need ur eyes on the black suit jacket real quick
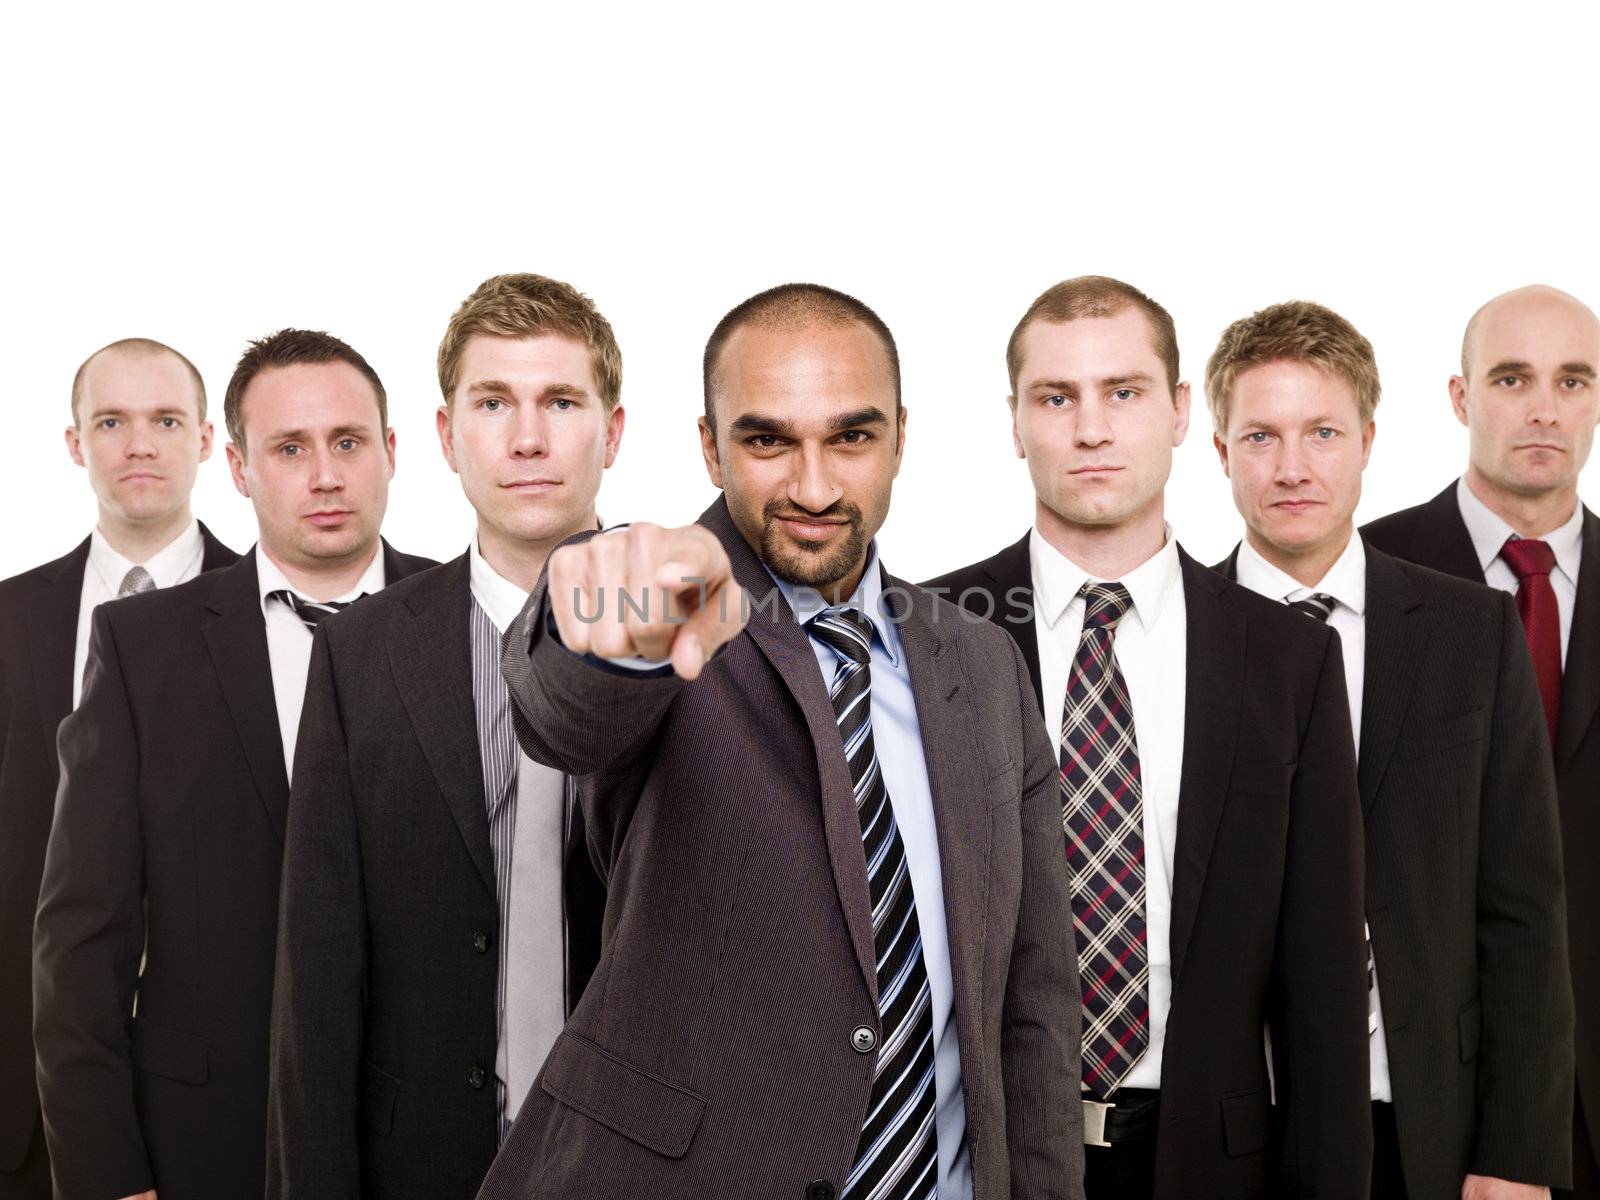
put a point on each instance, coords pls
(1464, 895)
(166, 843)
(1434, 535)
(38, 645)
(1266, 896)
(385, 1006)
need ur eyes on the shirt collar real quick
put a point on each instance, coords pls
(807, 602)
(1490, 531)
(500, 599)
(1345, 581)
(1057, 580)
(270, 578)
(167, 565)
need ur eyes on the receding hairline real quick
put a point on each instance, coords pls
(1540, 290)
(136, 347)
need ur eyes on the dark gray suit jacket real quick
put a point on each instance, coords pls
(711, 1055)
(1464, 896)
(384, 1015)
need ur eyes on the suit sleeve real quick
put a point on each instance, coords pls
(1525, 1061)
(313, 1097)
(1319, 995)
(88, 937)
(1041, 1025)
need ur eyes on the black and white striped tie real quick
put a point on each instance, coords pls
(1318, 605)
(310, 611)
(897, 1157)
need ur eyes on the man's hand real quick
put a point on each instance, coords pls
(1482, 1187)
(648, 592)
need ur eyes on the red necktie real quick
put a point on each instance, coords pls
(1533, 560)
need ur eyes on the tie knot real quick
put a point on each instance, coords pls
(310, 612)
(136, 580)
(1104, 604)
(1528, 557)
(845, 631)
(1318, 605)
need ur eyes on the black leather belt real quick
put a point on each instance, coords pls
(1130, 1115)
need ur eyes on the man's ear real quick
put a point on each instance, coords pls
(236, 470)
(75, 445)
(1222, 454)
(708, 451)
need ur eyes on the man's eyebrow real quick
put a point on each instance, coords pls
(1065, 386)
(756, 423)
(1509, 368)
(1578, 368)
(858, 418)
(1116, 381)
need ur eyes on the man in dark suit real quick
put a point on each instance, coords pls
(1470, 1001)
(153, 945)
(1530, 399)
(139, 429)
(1217, 865)
(439, 912)
(833, 962)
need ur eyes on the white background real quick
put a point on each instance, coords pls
(203, 174)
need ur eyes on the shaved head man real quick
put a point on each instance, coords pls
(1529, 397)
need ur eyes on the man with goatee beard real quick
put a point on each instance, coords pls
(834, 962)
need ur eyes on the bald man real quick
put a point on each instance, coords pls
(139, 430)
(1529, 396)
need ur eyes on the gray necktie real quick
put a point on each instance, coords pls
(136, 580)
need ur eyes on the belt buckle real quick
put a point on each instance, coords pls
(1094, 1122)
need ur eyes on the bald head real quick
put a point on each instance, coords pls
(180, 374)
(1526, 309)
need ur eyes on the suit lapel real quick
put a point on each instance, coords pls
(431, 657)
(1441, 540)
(1580, 678)
(236, 636)
(960, 809)
(1395, 644)
(1012, 571)
(54, 646)
(214, 554)
(778, 636)
(1214, 661)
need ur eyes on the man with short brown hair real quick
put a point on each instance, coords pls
(139, 429)
(1470, 1005)
(153, 944)
(1529, 395)
(406, 1037)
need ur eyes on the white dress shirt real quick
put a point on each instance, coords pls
(176, 562)
(289, 643)
(1346, 582)
(528, 868)
(1489, 531)
(1151, 643)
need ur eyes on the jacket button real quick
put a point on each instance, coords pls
(819, 1189)
(475, 1080)
(480, 942)
(864, 1040)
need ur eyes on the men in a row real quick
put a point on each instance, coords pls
(1470, 1026)
(1207, 790)
(1529, 395)
(139, 429)
(439, 913)
(156, 928)
(835, 961)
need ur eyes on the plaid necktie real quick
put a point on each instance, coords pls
(310, 611)
(135, 581)
(1320, 606)
(1102, 810)
(897, 1157)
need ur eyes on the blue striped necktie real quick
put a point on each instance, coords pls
(897, 1157)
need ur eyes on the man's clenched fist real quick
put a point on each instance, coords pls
(647, 592)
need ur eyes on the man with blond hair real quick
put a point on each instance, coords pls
(139, 429)
(1469, 1001)
(440, 916)
(1529, 395)
(1207, 789)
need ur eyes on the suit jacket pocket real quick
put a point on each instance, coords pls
(652, 1112)
(1443, 735)
(1246, 1121)
(378, 1092)
(1260, 779)
(1470, 1023)
(170, 1053)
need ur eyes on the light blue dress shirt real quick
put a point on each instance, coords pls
(897, 736)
